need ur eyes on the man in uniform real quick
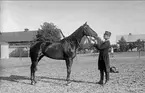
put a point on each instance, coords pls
(103, 60)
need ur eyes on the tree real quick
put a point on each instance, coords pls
(139, 44)
(131, 46)
(115, 47)
(123, 44)
(48, 32)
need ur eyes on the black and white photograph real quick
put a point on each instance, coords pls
(72, 46)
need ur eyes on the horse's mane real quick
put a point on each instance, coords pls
(73, 35)
(73, 38)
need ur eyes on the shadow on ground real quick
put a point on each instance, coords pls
(16, 78)
(72, 80)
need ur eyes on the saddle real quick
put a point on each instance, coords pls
(113, 70)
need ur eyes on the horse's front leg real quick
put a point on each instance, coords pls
(68, 65)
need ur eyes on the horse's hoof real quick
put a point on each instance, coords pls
(33, 83)
(100, 82)
(68, 83)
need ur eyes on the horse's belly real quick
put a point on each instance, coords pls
(54, 52)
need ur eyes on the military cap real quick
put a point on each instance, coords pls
(107, 33)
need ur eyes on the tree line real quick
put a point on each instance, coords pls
(126, 46)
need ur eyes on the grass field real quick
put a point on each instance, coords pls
(51, 74)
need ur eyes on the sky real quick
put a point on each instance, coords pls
(118, 17)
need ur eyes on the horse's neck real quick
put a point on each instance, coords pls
(76, 36)
(72, 40)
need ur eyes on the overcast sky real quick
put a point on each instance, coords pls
(119, 17)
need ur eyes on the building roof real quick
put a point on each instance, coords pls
(131, 38)
(17, 36)
(3, 43)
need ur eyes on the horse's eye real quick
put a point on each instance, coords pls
(85, 26)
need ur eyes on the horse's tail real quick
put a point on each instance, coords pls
(34, 49)
(35, 55)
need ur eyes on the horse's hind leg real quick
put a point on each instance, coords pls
(33, 70)
(32, 73)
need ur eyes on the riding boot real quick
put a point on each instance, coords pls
(107, 76)
(101, 77)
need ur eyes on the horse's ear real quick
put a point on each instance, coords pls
(85, 23)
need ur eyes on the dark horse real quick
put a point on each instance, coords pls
(64, 49)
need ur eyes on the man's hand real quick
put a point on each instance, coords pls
(93, 40)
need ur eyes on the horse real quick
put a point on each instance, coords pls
(64, 49)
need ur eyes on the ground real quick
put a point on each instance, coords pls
(51, 74)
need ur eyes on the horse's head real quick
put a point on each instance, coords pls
(88, 31)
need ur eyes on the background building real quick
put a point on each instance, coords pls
(9, 41)
(131, 38)
(138, 40)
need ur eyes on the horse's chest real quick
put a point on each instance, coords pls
(70, 50)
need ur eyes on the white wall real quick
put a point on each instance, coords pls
(4, 50)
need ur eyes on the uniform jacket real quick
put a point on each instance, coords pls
(103, 60)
